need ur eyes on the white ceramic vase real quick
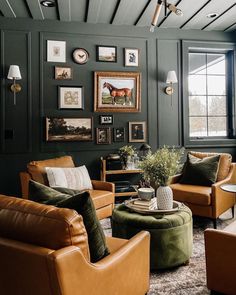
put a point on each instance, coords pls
(164, 197)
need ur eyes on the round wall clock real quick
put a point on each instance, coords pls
(80, 55)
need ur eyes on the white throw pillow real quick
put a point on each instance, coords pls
(74, 178)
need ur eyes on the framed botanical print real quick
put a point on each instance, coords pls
(56, 51)
(71, 97)
(131, 57)
(103, 135)
(137, 131)
(117, 92)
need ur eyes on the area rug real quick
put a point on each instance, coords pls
(189, 279)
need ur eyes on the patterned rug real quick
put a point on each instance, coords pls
(189, 279)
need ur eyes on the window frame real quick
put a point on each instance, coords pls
(210, 47)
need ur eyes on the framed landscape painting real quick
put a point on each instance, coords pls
(69, 129)
(63, 73)
(106, 53)
(117, 92)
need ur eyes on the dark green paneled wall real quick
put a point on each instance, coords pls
(23, 42)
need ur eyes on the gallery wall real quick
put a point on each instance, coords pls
(22, 129)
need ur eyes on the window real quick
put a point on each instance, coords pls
(208, 94)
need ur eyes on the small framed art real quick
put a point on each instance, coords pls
(69, 129)
(137, 132)
(63, 73)
(119, 134)
(56, 51)
(106, 53)
(131, 57)
(103, 135)
(70, 97)
(106, 120)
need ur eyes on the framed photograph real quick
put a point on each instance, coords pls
(106, 120)
(56, 51)
(117, 92)
(106, 53)
(119, 134)
(69, 129)
(131, 57)
(137, 131)
(63, 73)
(70, 97)
(103, 135)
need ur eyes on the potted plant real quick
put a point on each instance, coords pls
(158, 168)
(126, 152)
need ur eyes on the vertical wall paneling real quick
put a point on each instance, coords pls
(2, 83)
(169, 115)
(17, 50)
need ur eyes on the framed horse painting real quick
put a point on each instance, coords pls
(117, 92)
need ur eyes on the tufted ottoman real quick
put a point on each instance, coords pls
(171, 235)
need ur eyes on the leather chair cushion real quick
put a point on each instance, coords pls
(224, 163)
(195, 194)
(37, 168)
(20, 219)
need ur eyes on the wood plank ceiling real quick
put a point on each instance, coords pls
(128, 12)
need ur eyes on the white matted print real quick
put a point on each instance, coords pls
(71, 97)
(56, 51)
(131, 57)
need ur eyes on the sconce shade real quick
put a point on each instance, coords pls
(14, 73)
(171, 77)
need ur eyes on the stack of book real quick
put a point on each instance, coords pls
(144, 204)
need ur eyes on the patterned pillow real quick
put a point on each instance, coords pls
(74, 178)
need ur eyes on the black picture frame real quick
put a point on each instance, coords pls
(102, 50)
(103, 135)
(119, 134)
(106, 119)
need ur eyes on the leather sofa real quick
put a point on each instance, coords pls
(103, 193)
(220, 248)
(44, 251)
(207, 201)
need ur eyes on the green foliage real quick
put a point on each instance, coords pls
(161, 165)
(127, 150)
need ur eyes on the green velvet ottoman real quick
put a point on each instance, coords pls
(171, 235)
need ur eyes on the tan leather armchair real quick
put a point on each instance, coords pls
(206, 201)
(44, 251)
(103, 193)
(220, 248)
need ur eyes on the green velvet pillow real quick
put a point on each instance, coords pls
(200, 171)
(83, 204)
(44, 194)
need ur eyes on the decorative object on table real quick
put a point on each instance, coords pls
(137, 131)
(69, 129)
(56, 51)
(146, 193)
(117, 92)
(119, 134)
(106, 53)
(126, 152)
(144, 150)
(14, 74)
(158, 168)
(106, 119)
(70, 97)
(63, 73)
(103, 135)
(80, 56)
(131, 57)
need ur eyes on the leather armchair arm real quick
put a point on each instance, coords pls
(24, 179)
(220, 263)
(103, 185)
(124, 272)
(175, 178)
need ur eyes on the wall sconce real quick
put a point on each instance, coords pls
(171, 79)
(14, 74)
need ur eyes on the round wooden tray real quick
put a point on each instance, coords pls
(130, 204)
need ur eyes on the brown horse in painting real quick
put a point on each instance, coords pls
(116, 92)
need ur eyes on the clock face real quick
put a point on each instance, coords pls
(80, 55)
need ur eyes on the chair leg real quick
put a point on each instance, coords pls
(214, 223)
(232, 209)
